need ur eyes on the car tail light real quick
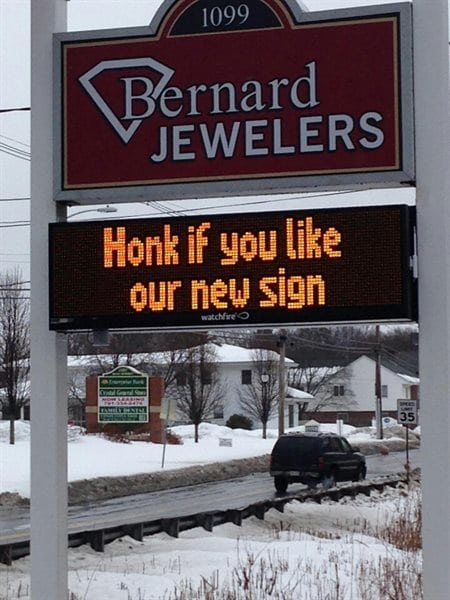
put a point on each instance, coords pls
(321, 463)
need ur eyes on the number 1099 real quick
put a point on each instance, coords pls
(225, 16)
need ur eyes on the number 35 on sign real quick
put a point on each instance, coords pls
(407, 412)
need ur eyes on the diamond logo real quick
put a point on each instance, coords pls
(152, 91)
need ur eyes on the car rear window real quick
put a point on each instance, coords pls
(303, 445)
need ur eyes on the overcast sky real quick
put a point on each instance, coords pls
(15, 93)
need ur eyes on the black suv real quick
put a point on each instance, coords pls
(313, 458)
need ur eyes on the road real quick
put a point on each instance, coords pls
(222, 495)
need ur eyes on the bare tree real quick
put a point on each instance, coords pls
(329, 386)
(260, 398)
(14, 346)
(136, 343)
(76, 390)
(311, 379)
(199, 390)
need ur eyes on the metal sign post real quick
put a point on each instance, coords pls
(431, 60)
(48, 350)
(406, 416)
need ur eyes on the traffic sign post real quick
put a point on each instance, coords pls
(407, 412)
(407, 415)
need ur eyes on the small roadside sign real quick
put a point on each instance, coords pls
(123, 396)
(407, 412)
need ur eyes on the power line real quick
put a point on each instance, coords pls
(182, 212)
(14, 148)
(9, 224)
(14, 140)
(27, 198)
(14, 284)
(16, 109)
(14, 151)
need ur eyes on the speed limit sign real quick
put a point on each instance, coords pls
(407, 412)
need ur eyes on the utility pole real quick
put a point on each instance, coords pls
(281, 381)
(378, 401)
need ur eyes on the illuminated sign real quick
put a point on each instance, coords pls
(334, 265)
(239, 97)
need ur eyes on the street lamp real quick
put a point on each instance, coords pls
(264, 382)
(265, 404)
(102, 209)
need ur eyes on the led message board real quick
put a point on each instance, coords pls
(238, 97)
(316, 266)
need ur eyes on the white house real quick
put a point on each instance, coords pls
(351, 396)
(237, 369)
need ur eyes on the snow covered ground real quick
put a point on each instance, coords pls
(92, 456)
(309, 552)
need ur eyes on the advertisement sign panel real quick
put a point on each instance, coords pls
(238, 97)
(123, 396)
(330, 265)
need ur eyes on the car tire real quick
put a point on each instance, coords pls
(281, 484)
(329, 480)
(360, 474)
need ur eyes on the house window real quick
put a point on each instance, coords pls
(218, 412)
(384, 391)
(338, 390)
(301, 407)
(246, 377)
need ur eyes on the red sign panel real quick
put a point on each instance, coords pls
(235, 97)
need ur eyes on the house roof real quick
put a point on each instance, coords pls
(226, 354)
(409, 379)
(298, 394)
(391, 366)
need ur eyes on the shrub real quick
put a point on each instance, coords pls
(173, 438)
(239, 422)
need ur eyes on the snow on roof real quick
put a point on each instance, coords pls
(226, 353)
(300, 394)
(409, 379)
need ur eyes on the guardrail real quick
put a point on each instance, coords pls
(18, 546)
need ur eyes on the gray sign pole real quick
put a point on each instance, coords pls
(48, 350)
(431, 56)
